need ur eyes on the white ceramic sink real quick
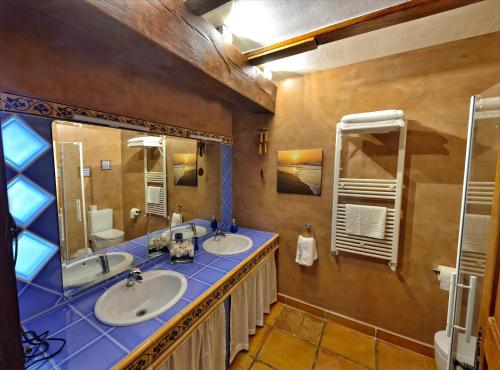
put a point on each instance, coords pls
(186, 231)
(89, 270)
(229, 244)
(122, 306)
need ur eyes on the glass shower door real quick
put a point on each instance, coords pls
(479, 180)
(71, 199)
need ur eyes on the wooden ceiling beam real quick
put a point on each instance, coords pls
(400, 13)
(200, 7)
(164, 38)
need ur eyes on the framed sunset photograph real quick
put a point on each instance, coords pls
(299, 171)
(185, 169)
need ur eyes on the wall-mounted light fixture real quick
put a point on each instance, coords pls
(109, 123)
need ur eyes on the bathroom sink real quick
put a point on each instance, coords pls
(227, 245)
(187, 231)
(122, 306)
(89, 269)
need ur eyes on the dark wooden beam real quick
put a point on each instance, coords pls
(200, 7)
(164, 38)
(405, 12)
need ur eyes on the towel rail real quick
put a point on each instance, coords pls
(387, 190)
(156, 178)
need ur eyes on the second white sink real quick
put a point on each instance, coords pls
(227, 245)
(89, 270)
(122, 306)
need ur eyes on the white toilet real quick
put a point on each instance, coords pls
(442, 347)
(101, 230)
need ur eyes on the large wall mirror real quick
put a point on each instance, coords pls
(120, 192)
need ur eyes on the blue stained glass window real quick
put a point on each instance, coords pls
(32, 255)
(21, 144)
(26, 200)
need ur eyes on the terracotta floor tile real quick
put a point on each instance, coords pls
(349, 343)
(258, 339)
(391, 357)
(270, 318)
(330, 361)
(241, 362)
(302, 324)
(260, 366)
(284, 351)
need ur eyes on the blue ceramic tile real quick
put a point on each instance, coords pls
(101, 354)
(50, 276)
(9, 173)
(47, 225)
(86, 305)
(143, 240)
(77, 336)
(42, 172)
(27, 200)
(224, 264)
(205, 257)
(209, 275)
(133, 335)
(54, 321)
(34, 300)
(240, 256)
(42, 365)
(188, 269)
(21, 144)
(174, 310)
(195, 289)
(99, 325)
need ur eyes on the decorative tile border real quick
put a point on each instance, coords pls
(163, 343)
(24, 104)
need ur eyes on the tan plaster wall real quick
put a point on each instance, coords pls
(433, 86)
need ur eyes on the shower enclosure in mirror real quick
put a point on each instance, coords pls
(123, 194)
(479, 182)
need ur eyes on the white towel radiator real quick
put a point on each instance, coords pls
(156, 179)
(368, 189)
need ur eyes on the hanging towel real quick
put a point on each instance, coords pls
(381, 115)
(176, 219)
(306, 251)
(153, 195)
(365, 220)
(476, 231)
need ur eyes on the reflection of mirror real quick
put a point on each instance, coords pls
(151, 179)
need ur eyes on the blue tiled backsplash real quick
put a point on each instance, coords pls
(29, 171)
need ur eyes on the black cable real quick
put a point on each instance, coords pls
(35, 345)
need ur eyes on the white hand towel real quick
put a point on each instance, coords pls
(306, 251)
(476, 232)
(365, 220)
(176, 219)
(153, 195)
(381, 115)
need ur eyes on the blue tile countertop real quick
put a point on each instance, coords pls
(93, 345)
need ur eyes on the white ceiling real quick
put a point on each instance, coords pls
(256, 23)
(274, 20)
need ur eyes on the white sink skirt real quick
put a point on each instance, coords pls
(249, 303)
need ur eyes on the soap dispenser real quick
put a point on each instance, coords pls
(213, 223)
(234, 227)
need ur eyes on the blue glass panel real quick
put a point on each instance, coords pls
(21, 145)
(32, 255)
(26, 200)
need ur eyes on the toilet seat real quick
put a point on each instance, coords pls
(109, 234)
(465, 351)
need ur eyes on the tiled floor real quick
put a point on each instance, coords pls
(294, 340)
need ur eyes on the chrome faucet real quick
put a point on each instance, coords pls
(103, 258)
(134, 276)
(218, 232)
